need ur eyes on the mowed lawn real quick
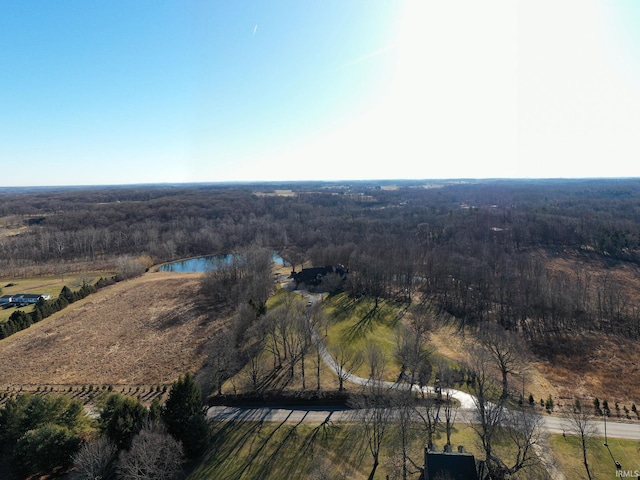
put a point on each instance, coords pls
(356, 323)
(50, 284)
(287, 450)
(568, 453)
(352, 323)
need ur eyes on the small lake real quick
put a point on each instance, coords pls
(208, 262)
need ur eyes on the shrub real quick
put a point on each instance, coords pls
(549, 404)
(122, 418)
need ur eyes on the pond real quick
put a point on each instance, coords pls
(205, 263)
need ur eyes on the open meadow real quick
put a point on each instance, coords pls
(144, 331)
(46, 284)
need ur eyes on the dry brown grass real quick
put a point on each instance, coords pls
(148, 330)
(596, 365)
(450, 343)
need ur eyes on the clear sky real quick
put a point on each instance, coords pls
(135, 91)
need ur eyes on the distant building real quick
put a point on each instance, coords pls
(30, 297)
(315, 275)
(23, 299)
(6, 299)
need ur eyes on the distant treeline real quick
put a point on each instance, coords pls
(168, 223)
(478, 250)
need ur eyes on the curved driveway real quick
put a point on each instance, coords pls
(466, 412)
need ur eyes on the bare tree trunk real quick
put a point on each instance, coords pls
(374, 468)
(319, 361)
(581, 424)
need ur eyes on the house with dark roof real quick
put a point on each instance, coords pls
(454, 465)
(315, 275)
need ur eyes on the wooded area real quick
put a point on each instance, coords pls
(515, 262)
(477, 250)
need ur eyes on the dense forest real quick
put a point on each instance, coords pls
(535, 262)
(477, 250)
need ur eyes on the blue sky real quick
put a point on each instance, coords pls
(205, 91)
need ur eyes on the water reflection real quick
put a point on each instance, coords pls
(209, 262)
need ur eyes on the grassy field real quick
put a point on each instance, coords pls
(356, 322)
(351, 322)
(568, 453)
(144, 331)
(45, 285)
(272, 450)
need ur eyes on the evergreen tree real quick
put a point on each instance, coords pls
(61, 303)
(36, 315)
(122, 418)
(41, 450)
(155, 411)
(184, 416)
(67, 294)
(40, 433)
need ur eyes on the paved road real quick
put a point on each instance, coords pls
(285, 414)
(466, 412)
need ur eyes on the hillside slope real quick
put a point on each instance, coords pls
(148, 330)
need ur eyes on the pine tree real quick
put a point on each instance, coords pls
(122, 418)
(184, 416)
(67, 294)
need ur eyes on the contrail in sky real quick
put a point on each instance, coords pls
(371, 55)
(254, 29)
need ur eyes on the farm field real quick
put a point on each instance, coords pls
(49, 284)
(145, 331)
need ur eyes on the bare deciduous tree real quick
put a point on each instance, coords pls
(154, 455)
(346, 361)
(521, 429)
(449, 407)
(412, 353)
(374, 413)
(223, 359)
(95, 460)
(506, 349)
(404, 404)
(428, 410)
(374, 360)
(581, 424)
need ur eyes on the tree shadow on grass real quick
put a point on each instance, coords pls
(226, 458)
(247, 446)
(345, 306)
(362, 326)
(291, 436)
(229, 440)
